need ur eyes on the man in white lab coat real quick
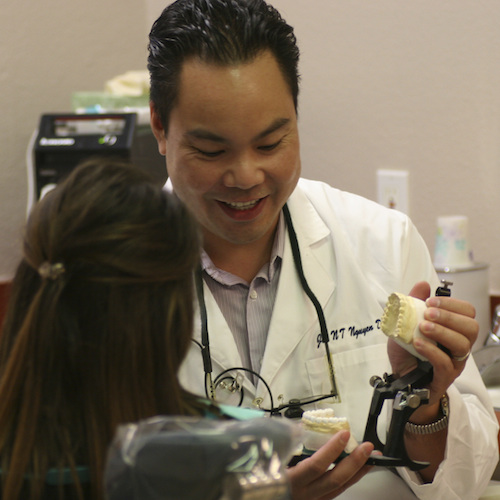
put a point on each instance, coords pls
(224, 87)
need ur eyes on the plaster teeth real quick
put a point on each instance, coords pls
(320, 425)
(401, 317)
(400, 320)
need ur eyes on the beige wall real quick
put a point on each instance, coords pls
(48, 50)
(406, 85)
(386, 84)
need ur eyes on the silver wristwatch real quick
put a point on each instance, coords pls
(436, 426)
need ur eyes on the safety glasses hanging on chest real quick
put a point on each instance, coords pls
(227, 387)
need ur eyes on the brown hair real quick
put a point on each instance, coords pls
(99, 342)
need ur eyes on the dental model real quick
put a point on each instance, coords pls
(320, 425)
(400, 320)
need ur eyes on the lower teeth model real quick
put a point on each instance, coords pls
(320, 425)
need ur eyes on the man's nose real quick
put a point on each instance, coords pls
(245, 173)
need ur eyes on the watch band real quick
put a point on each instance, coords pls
(433, 427)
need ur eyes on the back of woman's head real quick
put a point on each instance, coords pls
(100, 316)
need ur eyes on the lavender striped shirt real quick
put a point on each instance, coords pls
(246, 307)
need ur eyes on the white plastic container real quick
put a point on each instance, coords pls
(472, 284)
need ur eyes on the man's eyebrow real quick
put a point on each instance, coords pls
(276, 125)
(201, 133)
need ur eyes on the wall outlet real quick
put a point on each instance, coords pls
(392, 189)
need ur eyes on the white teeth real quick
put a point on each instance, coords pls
(242, 205)
(400, 320)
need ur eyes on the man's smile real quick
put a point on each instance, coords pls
(242, 205)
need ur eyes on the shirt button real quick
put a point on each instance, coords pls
(253, 294)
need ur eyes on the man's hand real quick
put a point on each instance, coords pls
(311, 479)
(449, 322)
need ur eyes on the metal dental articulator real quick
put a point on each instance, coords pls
(408, 393)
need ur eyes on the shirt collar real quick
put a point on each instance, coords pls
(276, 256)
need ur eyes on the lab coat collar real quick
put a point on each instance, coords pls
(286, 329)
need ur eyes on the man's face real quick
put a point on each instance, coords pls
(232, 148)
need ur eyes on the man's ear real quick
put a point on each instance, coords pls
(158, 130)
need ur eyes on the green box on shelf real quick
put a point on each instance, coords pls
(106, 101)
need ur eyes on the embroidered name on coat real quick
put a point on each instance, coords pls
(350, 331)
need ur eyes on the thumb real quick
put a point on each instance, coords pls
(422, 290)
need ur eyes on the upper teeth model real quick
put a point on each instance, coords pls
(400, 320)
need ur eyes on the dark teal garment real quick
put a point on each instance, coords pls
(56, 492)
(60, 486)
(55, 477)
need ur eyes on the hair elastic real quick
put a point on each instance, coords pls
(51, 271)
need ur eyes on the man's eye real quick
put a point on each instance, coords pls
(270, 147)
(209, 154)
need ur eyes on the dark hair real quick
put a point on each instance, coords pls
(99, 321)
(222, 32)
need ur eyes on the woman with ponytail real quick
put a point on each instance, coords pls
(98, 323)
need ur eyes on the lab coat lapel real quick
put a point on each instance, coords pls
(294, 314)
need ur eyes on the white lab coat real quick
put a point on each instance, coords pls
(354, 254)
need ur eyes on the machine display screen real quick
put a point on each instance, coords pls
(73, 126)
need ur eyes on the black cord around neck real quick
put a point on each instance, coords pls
(205, 341)
(305, 286)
